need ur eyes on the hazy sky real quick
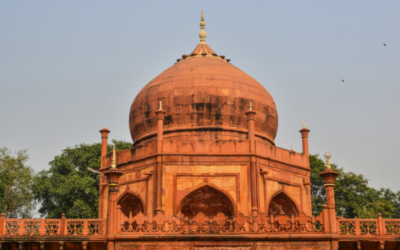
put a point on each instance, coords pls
(69, 68)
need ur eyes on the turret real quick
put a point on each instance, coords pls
(304, 138)
(102, 185)
(329, 176)
(113, 175)
(160, 132)
(253, 172)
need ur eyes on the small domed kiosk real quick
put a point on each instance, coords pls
(203, 152)
(203, 141)
(204, 174)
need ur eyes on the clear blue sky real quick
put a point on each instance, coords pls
(68, 68)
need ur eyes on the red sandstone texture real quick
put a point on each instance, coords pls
(204, 174)
(203, 91)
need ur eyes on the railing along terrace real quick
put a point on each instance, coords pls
(368, 227)
(220, 224)
(52, 227)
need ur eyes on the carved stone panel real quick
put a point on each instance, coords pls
(306, 245)
(130, 248)
(233, 247)
(152, 246)
(294, 246)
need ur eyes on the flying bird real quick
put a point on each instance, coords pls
(342, 80)
(384, 44)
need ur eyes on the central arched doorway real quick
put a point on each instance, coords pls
(208, 200)
(282, 204)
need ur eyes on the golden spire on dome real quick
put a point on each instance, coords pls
(251, 105)
(328, 159)
(160, 105)
(113, 165)
(202, 33)
(304, 125)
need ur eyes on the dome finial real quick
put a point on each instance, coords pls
(113, 165)
(304, 125)
(328, 159)
(202, 34)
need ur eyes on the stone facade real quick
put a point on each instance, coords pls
(204, 173)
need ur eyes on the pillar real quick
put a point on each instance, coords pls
(158, 176)
(1, 224)
(102, 185)
(113, 175)
(252, 150)
(104, 136)
(307, 185)
(62, 225)
(381, 226)
(329, 176)
(304, 138)
(118, 219)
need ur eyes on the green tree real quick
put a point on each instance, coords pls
(16, 180)
(317, 187)
(353, 197)
(68, 187)
(395, 198)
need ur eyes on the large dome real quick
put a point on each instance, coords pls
(203, 91)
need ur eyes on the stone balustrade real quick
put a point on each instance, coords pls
(52, 227)
(199, 224)
(368, 227)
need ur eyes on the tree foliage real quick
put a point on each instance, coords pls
(16, 179)
(353, 197)
(68, 187)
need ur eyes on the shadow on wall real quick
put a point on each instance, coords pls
(207, 200)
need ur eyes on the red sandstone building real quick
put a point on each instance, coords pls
(204, 173)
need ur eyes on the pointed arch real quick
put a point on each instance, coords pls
(131, 202)
(208, 199)
(282, 202)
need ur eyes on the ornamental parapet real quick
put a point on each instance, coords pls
(52, 227)
(263, 223)
(179, 225)
(364, 229)
(133, 156)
